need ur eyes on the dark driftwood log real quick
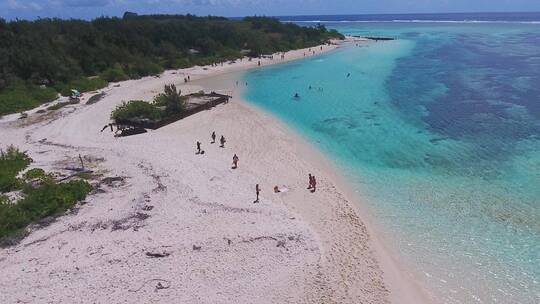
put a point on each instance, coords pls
(157, 255)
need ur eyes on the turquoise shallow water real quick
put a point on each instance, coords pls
(440, 133)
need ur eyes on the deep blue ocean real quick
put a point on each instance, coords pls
(439, 132)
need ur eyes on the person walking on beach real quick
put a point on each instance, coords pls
(222, 141)
(235, 161)
(213, 137)
(313, 184)
(310, 181)
(257, 191)
(198, 147)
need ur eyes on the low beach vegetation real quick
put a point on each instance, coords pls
(166, 104)
(20, 97)
(136, 110)
(12, 161)
(40, 194)
(44, 57)
(59, 105)
(84, 84)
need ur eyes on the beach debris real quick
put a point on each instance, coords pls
(157, 254)
(129, 131)
(82, 163)
(113, 181)
(160, 285)
(147, 208)
(159, 185)
(132, 221)
(195, 247)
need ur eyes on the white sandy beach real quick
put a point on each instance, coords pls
(292, 247)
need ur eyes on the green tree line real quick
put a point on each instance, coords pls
(41, 58)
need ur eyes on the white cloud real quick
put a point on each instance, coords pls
(26, 5)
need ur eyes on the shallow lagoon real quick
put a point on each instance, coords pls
(440, 133)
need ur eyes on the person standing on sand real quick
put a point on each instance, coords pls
(222, 141)
(213, 137)
(198, 147)
(314, 184)
(310, 181)
(257, 191)
(235, 161)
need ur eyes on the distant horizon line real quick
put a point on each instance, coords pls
(379, 14)
(283, 16)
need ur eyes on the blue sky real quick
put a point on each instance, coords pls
(31, 9)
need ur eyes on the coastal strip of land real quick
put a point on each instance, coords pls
(168, 225)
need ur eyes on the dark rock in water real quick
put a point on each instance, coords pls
(376, 38)
(436, 140)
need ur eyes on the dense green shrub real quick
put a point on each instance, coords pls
(142, 68)
(114, 74)
(136, 109)
(12, 161)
